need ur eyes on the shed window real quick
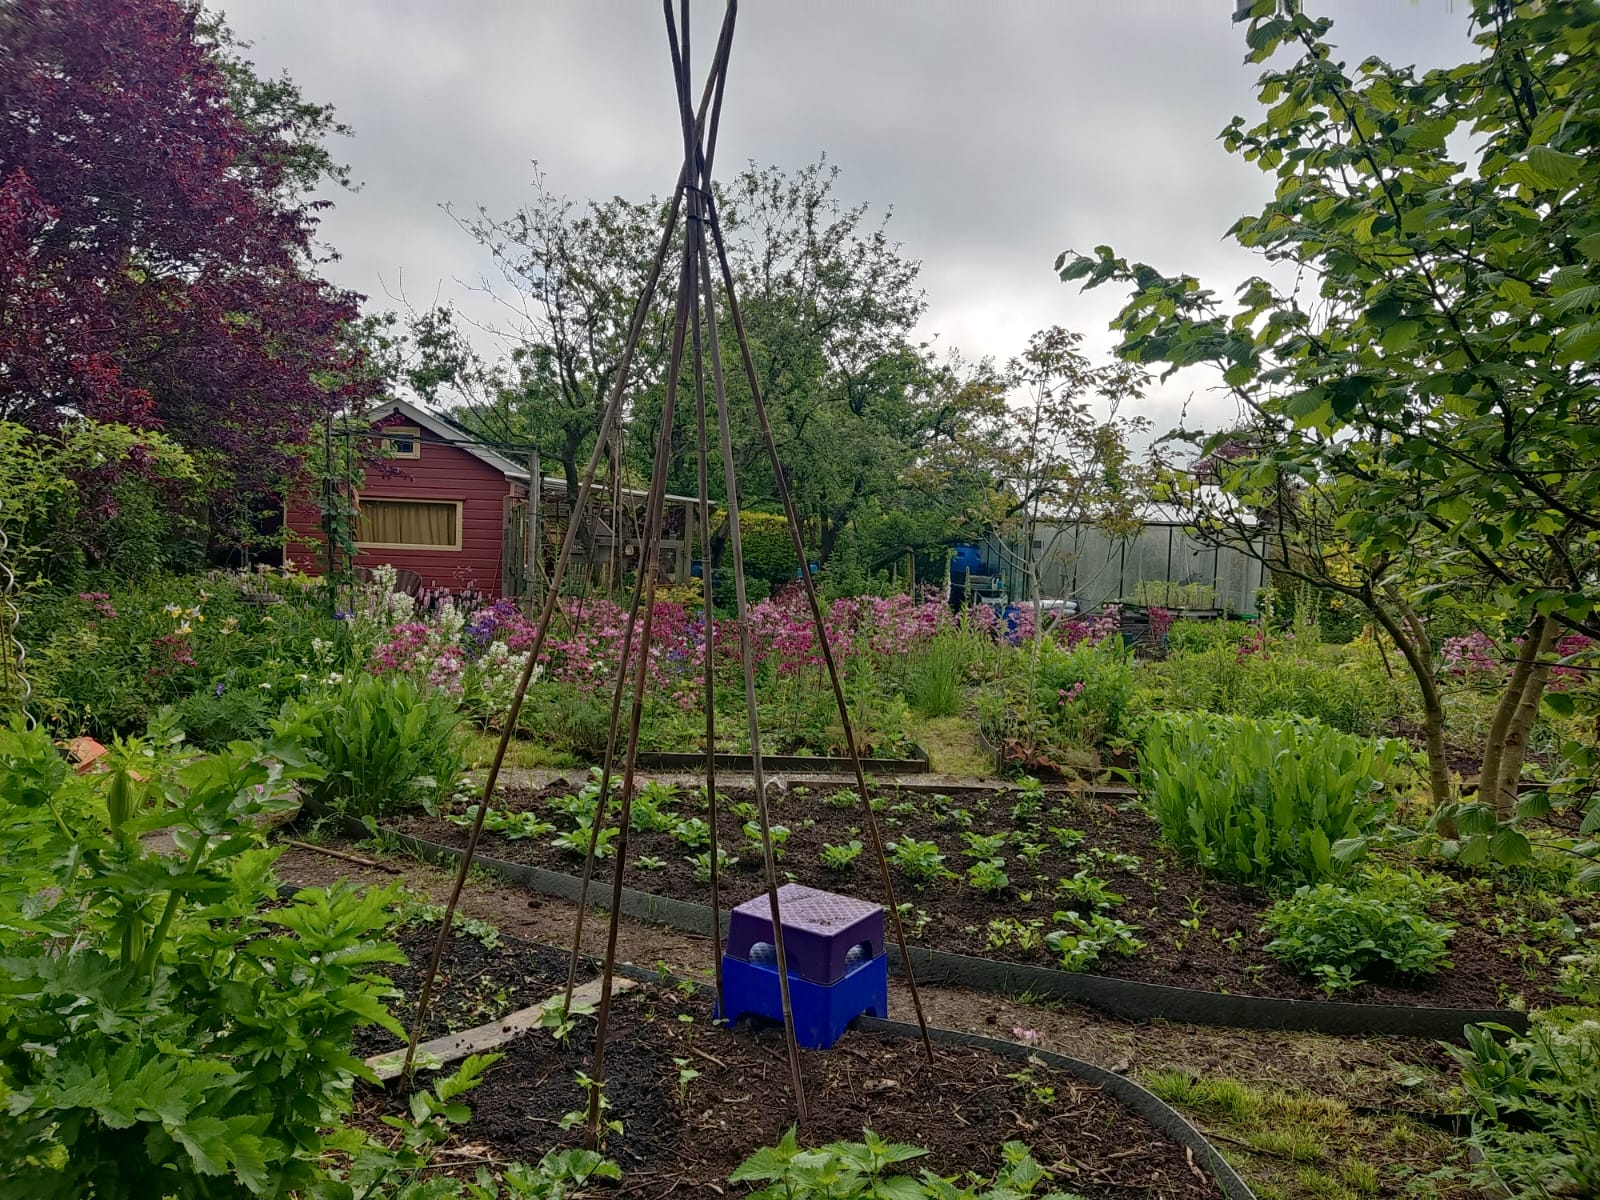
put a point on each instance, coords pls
(403, 441)
(410, 524)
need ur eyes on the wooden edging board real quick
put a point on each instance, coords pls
(817, 764)
(1126, 998)
(480, 1039)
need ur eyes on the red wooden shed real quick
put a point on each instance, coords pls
(454, 509)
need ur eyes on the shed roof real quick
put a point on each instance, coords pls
(446, 430)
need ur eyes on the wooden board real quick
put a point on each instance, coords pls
(483, 1038)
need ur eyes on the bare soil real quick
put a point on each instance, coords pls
(682, 1135)
(480, 980)
(1198, 932)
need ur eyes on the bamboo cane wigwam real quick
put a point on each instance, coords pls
(695, 328)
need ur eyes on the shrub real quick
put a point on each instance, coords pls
(1342, 686)
(1087, 690)
(212, 718)
(382, 743)
(104, 662)
(1337, 935)
(1262, 800)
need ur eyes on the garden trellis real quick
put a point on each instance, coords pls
(695, 329)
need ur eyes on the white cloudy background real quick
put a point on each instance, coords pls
(1000, 132)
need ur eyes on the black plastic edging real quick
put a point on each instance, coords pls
(1125, 998)
(1151, 1107)
(917, 764)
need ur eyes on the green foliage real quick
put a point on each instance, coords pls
(1401, 415)
(934, 689)
(1086, 691)
(988, 876)
(768, 547)
(1342, 686)
(94, 500)
(1266, 800)
(219, 647)
(383, 745)
(651, 810)
(984, 845)
(163, 1030)
(1012, 932)
(692, 832)
(576, 721)
(513, 826)
(1085, 938)
(1538, 1101)
(859, 1171)
(1087, 891)
(702, 863)
(575, 841)
(1161, 593)
(1342, 935)
(210, 721)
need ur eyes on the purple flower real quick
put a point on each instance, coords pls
(219, 689)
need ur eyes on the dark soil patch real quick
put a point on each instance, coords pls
(476, 983)
(1198, 932)
(684, 1139)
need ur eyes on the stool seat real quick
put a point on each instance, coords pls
(822, 1012)
(820, 931)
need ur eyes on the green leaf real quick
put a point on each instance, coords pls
(1510, 846)
(1560, 703)
(1556, 168)
(1399, 335)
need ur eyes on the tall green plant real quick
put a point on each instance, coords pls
(1269, 800)
(163, 1033)
(382, 742)
(934, 688)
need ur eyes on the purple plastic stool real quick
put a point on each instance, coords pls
(824, 934)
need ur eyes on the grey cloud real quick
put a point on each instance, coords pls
(1000, 133)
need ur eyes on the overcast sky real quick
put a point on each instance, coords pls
(1000, 132)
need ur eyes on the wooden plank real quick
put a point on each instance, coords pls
(442, 1051)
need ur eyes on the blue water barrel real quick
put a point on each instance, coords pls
(968, 560)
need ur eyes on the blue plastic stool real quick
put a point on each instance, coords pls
(821, 1011)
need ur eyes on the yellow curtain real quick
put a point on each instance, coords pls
(407, 523)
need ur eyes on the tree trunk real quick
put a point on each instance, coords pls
(1419, 657)
(1489, 774)
(830, 539)
(1516, 743)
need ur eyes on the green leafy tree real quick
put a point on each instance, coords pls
(1430, 365)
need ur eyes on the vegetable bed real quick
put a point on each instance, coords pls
(694, 1101)
(482, 977)
(997, 874)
